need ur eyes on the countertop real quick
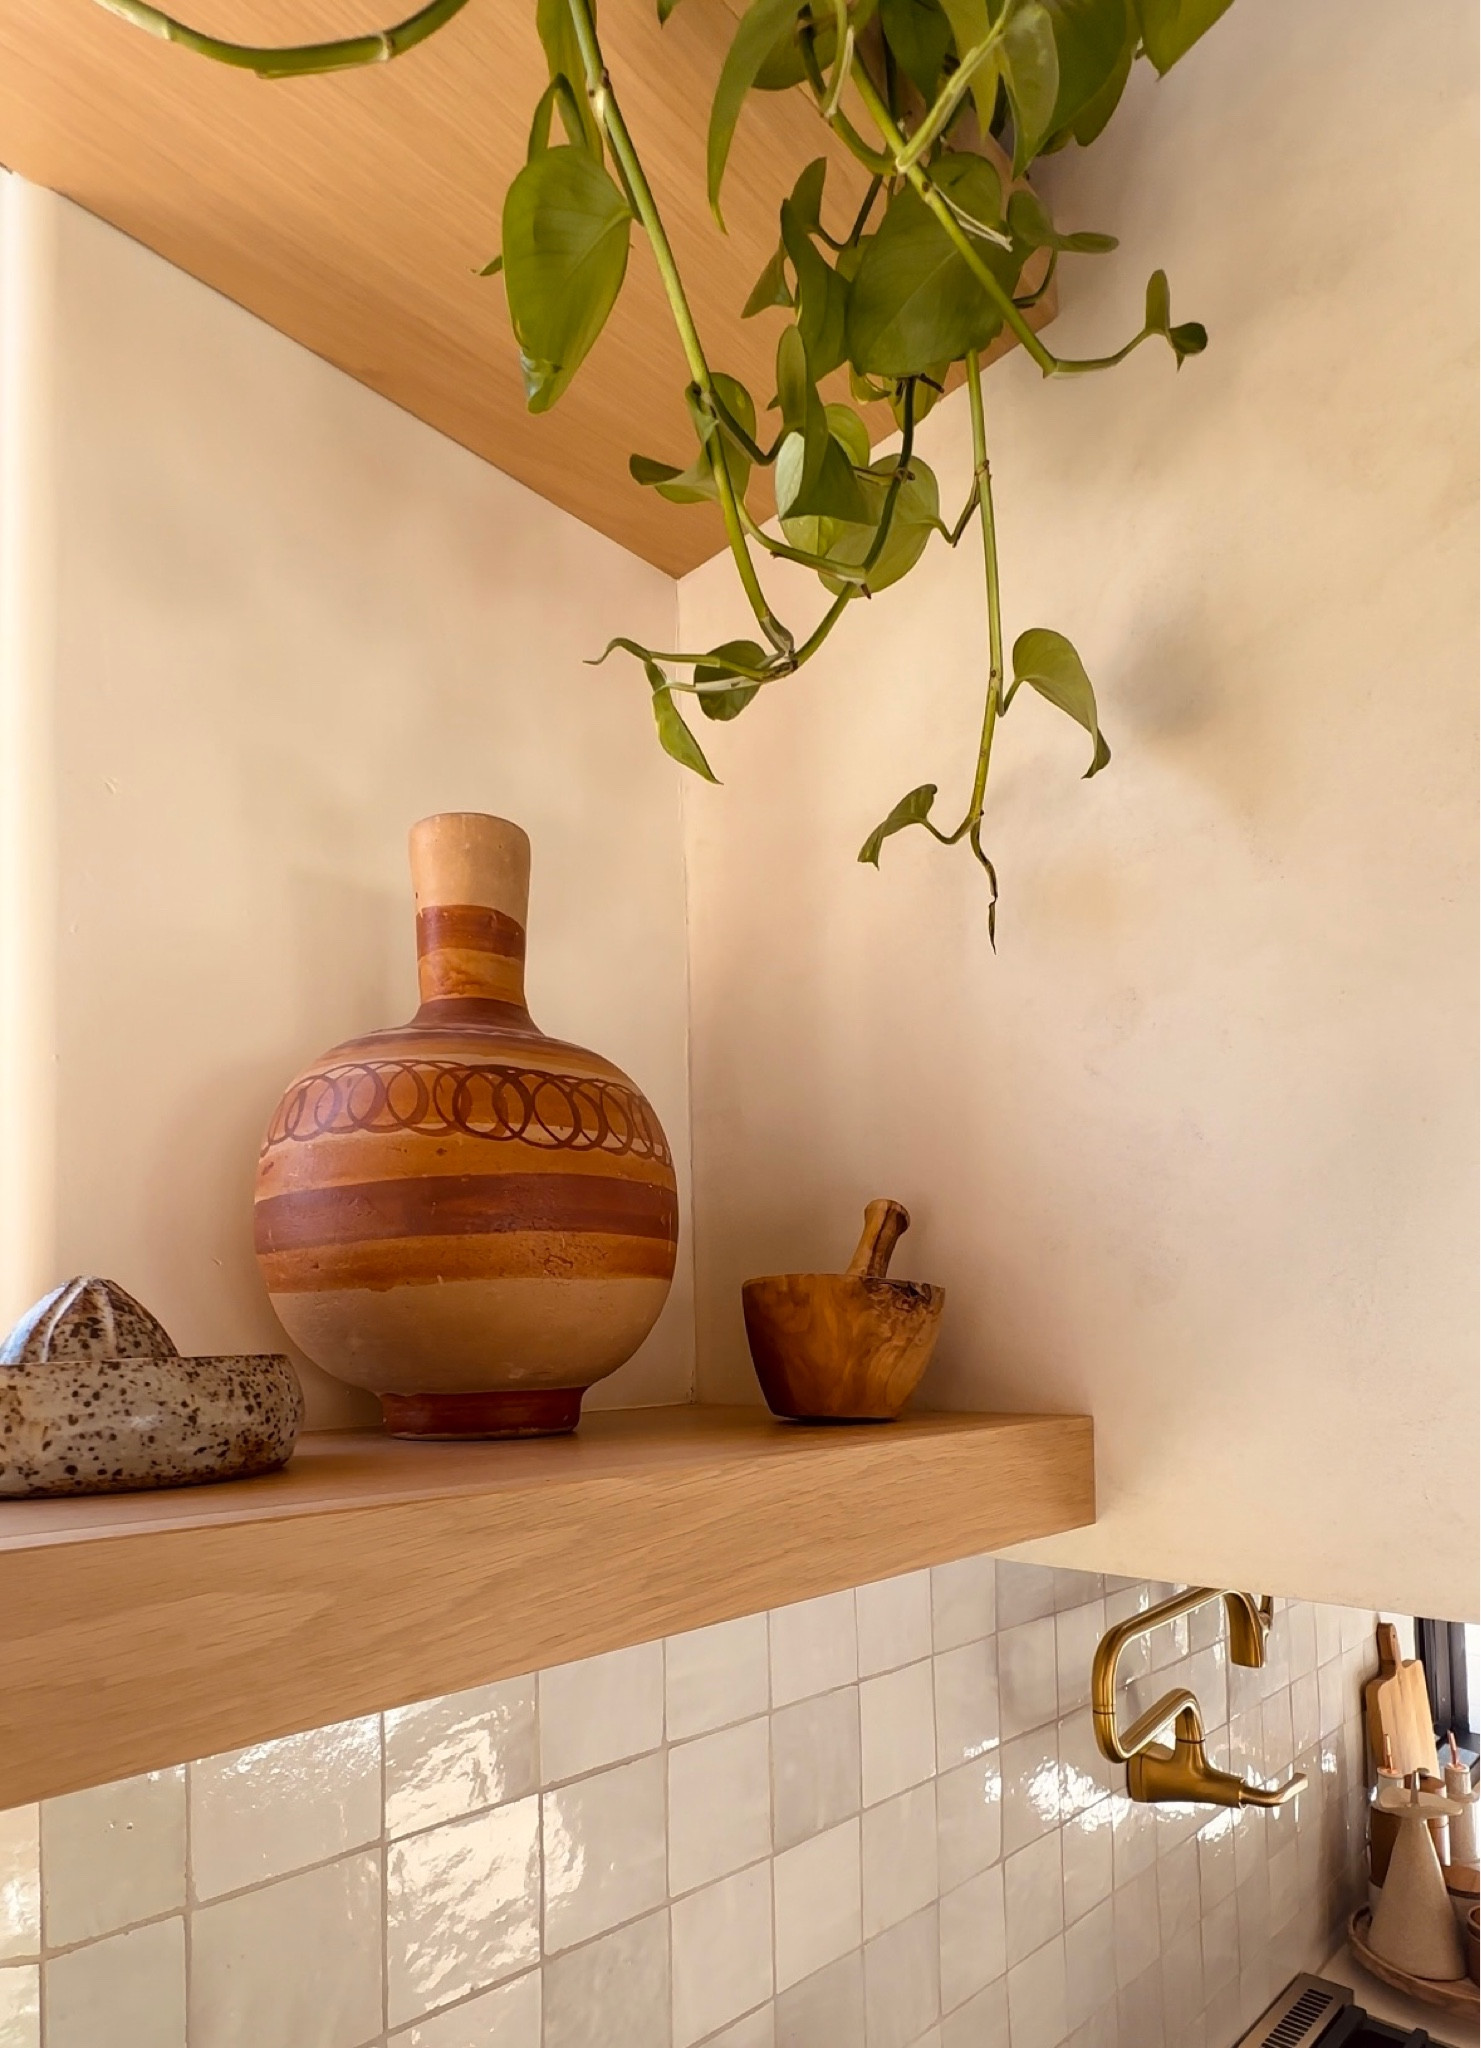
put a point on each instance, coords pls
(1393, 2006)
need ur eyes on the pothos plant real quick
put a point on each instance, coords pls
(933, 267)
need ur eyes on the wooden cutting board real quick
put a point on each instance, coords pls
(1397, 1707)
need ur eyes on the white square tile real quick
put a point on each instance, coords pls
(259, 1813)
(506, 2017)
(462, 1907)
(1077, 1634)
(1085, 1850)
(1033, 1897)
(722, 1953)
(1090, 1965)
(20, 2006)
(1216, 1873)
(296, 1964)
(1076, 1589)
(1138, 1933)
(113, 1855)
(1182, 1987)
(1032, 1787)
(814, 1647)
(1036, 1998)
(1306, 1719)
(897, 1731)
(981, 2023)
(1027, 1693)
(614, 1992)
(600, 1710)
(974, 1938)
(815, 1766)
(1220, 1930)
(902, 1981)
(456, 1755)
(967, 1723)
(817, 1903)
(1026, 1592)
(1139, 2010)
(963, 1602)
(719, 1804)
(606, 1851)
(1301, 1638)
(717, 1675)
(756, 2030)
(894, 1622)
(969, 1820)
(127, 1991)
(900, 1865)
(827, 2007)
(1133, 1838)
(1177, 1891)
(20, 1883)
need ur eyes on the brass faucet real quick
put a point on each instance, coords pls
(1183, 1774)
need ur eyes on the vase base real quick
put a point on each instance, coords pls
(517, 1412)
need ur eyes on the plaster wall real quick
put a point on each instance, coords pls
(1196, 1149)
(258, 621)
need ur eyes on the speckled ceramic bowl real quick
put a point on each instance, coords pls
(94, 1398)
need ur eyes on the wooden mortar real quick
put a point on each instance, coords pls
(844, 1347)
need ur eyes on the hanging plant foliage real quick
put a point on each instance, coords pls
(946, 104)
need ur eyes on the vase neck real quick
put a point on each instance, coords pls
(473, 957)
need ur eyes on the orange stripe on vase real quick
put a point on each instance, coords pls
(465, 1205)
(526, 1257)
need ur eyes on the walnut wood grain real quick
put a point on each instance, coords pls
(352, 212)
(140, 1630)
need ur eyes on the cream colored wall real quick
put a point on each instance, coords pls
(1196, 1150)
(283, 621)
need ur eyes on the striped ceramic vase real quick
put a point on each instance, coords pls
(472, 1219)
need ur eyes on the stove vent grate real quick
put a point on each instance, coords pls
(1300, 2016)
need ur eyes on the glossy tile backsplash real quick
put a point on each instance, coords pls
(875, 1820)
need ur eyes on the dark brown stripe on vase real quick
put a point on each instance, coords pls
(469, 928)
(465, 1205)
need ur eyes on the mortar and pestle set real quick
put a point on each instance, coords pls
(844, 1347)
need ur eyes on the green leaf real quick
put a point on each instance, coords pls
(970, 27)
(1031, 72)
(850, 432)
(1029, 219)
(914, 303)
(732, 701)
(1048, 663)
(1091, 39)
(919, 35)
(763, 22)
(691, 486)
(557, 32)
(1096, 112)
(913, 809)
(557, 95)
(1190, 339)
(822, 295)
(807, 195)
(1159, 303)
(917, 515)
(492, 268)
(666, 8)
(1170, 28)
(770, 288)
(565, 255)
(674, 735)
(793, 384)
(694, 485)
(815, 480)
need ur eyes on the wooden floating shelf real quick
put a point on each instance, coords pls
(139, 1630)
(353, 211)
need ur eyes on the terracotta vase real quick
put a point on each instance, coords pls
(472, 1219)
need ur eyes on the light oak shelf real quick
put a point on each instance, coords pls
(352, 212)
(140, 1630)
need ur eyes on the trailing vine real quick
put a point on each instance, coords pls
(946, 104)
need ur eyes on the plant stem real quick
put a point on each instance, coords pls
(300, 60)
(609, 115)
(983, 474)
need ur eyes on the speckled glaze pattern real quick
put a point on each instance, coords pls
(95, 1398)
